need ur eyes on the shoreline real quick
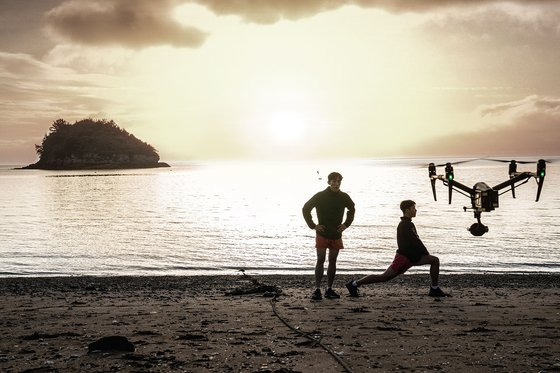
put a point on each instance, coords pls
(493, 323)
(299, 272)
(128, 282)
(94, 167)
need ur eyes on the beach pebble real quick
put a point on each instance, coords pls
(112, 343)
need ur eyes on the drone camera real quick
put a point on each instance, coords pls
(478, 229)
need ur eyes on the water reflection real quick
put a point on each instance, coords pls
(210, 217)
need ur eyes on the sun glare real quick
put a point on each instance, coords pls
(286, 127)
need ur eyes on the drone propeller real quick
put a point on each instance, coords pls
(521, 162)
(457, 162)
(451, 163)
(506, 161)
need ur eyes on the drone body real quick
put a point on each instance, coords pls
(483, 197)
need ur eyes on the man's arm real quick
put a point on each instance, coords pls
(351, 212)
(414, 241)
(409, 244)
(306, 210)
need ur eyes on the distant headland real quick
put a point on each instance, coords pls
(93, 144)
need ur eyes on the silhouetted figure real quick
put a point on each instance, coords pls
(411, 252)
(330, 205)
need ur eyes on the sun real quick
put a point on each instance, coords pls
(286, 127)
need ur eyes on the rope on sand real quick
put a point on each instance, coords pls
(310, 337)
(275, 292)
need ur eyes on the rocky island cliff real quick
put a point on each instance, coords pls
(93, 144)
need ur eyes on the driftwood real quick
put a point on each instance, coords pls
(255, 287)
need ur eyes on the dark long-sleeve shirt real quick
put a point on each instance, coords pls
(408, 241)
(330, 208)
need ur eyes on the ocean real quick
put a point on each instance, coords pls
(217, 217)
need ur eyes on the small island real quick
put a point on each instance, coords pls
(93, 144)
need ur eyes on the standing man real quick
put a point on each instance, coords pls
(330, 205)
(411, 252)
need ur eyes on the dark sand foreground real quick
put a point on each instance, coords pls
(493, 323)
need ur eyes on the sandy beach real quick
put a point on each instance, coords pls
(493, 323)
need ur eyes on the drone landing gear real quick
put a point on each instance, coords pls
(478, 229)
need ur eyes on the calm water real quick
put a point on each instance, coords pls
(217, 217)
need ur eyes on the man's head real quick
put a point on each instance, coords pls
(408, 208)
(334, 180)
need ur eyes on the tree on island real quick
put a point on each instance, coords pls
(93, 144)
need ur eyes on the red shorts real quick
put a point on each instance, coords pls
(401, 263)
(327, 243)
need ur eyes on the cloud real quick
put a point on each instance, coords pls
(143, 23)
(85, 59)
(266, 12)
(522, 127)
(130, 23)
(19, 31)
(496, 26)
(33, 94)
(16, 64)
(399, 6)
(508, 45)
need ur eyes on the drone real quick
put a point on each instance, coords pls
(483, 197)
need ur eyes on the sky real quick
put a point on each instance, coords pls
(258, 79)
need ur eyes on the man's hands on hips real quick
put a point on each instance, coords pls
(321, 228)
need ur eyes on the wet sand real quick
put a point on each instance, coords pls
(493, 323)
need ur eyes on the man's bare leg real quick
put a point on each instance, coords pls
(389, 274)
(320, 267)
(433, 261)
(331, 270)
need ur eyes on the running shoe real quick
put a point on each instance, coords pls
(437, 293)
(331, 294)
(316, 295)
(352, 289)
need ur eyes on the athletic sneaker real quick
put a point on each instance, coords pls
(316, 295)
(331, 294)
(352, 289)
(437, 293)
